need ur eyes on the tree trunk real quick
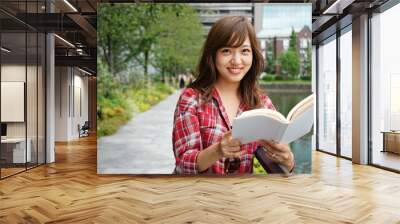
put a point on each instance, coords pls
(110, 56)
(146, 61)
(163, 75)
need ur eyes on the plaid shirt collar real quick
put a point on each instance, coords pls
(216, 97)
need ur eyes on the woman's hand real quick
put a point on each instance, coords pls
(279, 153)
(228, 147)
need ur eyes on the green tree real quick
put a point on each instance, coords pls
(112, 36)
(180, 39)
(125, 34)
(293, 41)
(167, 36)
(289, 62)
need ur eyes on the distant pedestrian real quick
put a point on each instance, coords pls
(181, 82)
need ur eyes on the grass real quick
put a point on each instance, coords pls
(257, 168)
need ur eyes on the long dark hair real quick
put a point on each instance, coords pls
(230, 31)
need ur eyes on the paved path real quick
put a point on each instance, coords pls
(143, 145)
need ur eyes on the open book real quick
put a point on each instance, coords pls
(269, 124)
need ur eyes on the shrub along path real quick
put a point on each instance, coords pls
(143, 145)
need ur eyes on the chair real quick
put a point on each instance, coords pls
(84, 130)
(269, 166)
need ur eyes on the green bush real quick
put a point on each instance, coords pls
(278, 78)
(289, 62)
(306, 78)
(268, 78)
(116, 106)
(290, 78)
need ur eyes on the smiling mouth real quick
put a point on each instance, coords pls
(235, 70)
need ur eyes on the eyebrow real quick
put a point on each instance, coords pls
(237, 47)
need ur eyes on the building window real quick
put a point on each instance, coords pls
(304, 43)
(385, 89)
(346, 94)
(285, 44)
(327, 96)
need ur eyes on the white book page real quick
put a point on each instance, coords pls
(253, 128)
(300, 126)
(301, 107)
(264, 112)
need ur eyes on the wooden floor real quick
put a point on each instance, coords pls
(10, 171)
(70, 191)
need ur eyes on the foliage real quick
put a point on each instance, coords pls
(306, 78)
(117, 102)
(167, 36)
(114, 36)
(112, 106)
(290, 63)
(268, 78)
(293, 41)
(178, 47)
(278, 78)
(119, 109)
(144, 98)
(307, 61)
(257, 168)
(291, 78)
(289, 60)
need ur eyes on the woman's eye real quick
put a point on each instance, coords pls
(246, 51)
(225, 51)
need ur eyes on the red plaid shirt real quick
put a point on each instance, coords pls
(197, 125)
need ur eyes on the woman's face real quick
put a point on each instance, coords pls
(233, 63)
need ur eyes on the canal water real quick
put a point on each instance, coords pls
(284, 101)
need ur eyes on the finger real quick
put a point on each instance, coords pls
(274, 156)
(234, 142)
(265, 143)
(275, 151)
(282, 147)
(228, 133)
(261, 142)
(279, 147)
(238, 154)
(233, 148)
(280, 156)
(229, 155)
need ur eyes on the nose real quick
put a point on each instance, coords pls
(236, 58)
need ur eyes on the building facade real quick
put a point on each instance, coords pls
(211, 12)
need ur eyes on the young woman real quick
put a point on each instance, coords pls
(225, 86)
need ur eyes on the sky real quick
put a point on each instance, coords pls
(278, 19)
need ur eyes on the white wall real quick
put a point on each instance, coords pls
(71, 87)
(12, 73)
(33, 126)
(61, 103)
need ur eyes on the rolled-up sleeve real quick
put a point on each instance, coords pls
(267, 103)
(186, 138)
